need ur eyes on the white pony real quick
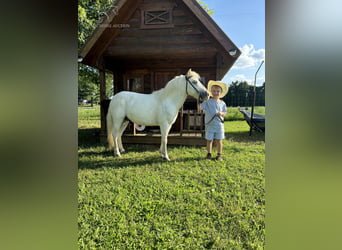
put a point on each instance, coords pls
(157, 109)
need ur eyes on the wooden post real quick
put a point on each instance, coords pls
(188, 120)
(118, 81)
(195, 120)
(181, 121)
(103, 97)
(134, 130)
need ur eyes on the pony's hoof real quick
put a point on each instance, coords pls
(166, 158)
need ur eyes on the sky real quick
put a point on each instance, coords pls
(243, 22)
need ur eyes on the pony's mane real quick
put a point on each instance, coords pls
(160, 91)
(192, 74)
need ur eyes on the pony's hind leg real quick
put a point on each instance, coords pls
(110, 131)
(164, 129)
(116, 135)
(122, 129)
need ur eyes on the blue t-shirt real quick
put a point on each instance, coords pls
(211, 107)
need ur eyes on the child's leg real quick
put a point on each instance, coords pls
(209, 146)
(219, 146)
(219, 150)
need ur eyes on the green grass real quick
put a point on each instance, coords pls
(142, 201)
(89, 117)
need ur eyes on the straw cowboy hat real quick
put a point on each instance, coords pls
(223, 86)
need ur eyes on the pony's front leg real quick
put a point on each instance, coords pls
(164, 129)
(116, 146)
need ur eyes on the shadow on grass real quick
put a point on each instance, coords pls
(109, 161)
(89, 137)
(94, 154)
(106, 159)
(245, 137)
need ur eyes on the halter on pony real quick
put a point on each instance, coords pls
(192, 85)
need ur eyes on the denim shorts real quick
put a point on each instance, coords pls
(214, 134)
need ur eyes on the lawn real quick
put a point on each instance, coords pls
(142, 201)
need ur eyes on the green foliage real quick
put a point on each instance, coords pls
(90, 13)
(141, 201)
(206, 8)
(89, 117)
(88, 82)
(241, 94)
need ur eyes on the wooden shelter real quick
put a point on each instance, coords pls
(145, 43)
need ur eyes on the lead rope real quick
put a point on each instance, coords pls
(212, 118)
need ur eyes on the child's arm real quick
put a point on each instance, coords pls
(202, 105)
(221, 113)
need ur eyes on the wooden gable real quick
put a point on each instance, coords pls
(160, 34)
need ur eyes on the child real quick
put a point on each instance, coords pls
(215, 110)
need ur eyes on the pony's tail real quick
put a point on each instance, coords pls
(110, 131)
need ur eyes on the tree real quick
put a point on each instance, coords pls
(88, 82)
(231, 98)
(260, 95)
(206, 8)
(241, 94)
(90, 13)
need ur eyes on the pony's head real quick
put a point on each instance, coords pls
(194, 86)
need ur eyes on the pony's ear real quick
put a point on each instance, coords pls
(189, 72)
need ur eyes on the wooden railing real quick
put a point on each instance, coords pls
(191, 121)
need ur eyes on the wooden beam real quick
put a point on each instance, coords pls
(182, 67)
(179, 40)
(153, 50)
(178, 30)
(167, 61)
(103, 97)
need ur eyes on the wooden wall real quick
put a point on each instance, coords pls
(163, 52)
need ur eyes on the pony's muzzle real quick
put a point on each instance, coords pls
(203, 96)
